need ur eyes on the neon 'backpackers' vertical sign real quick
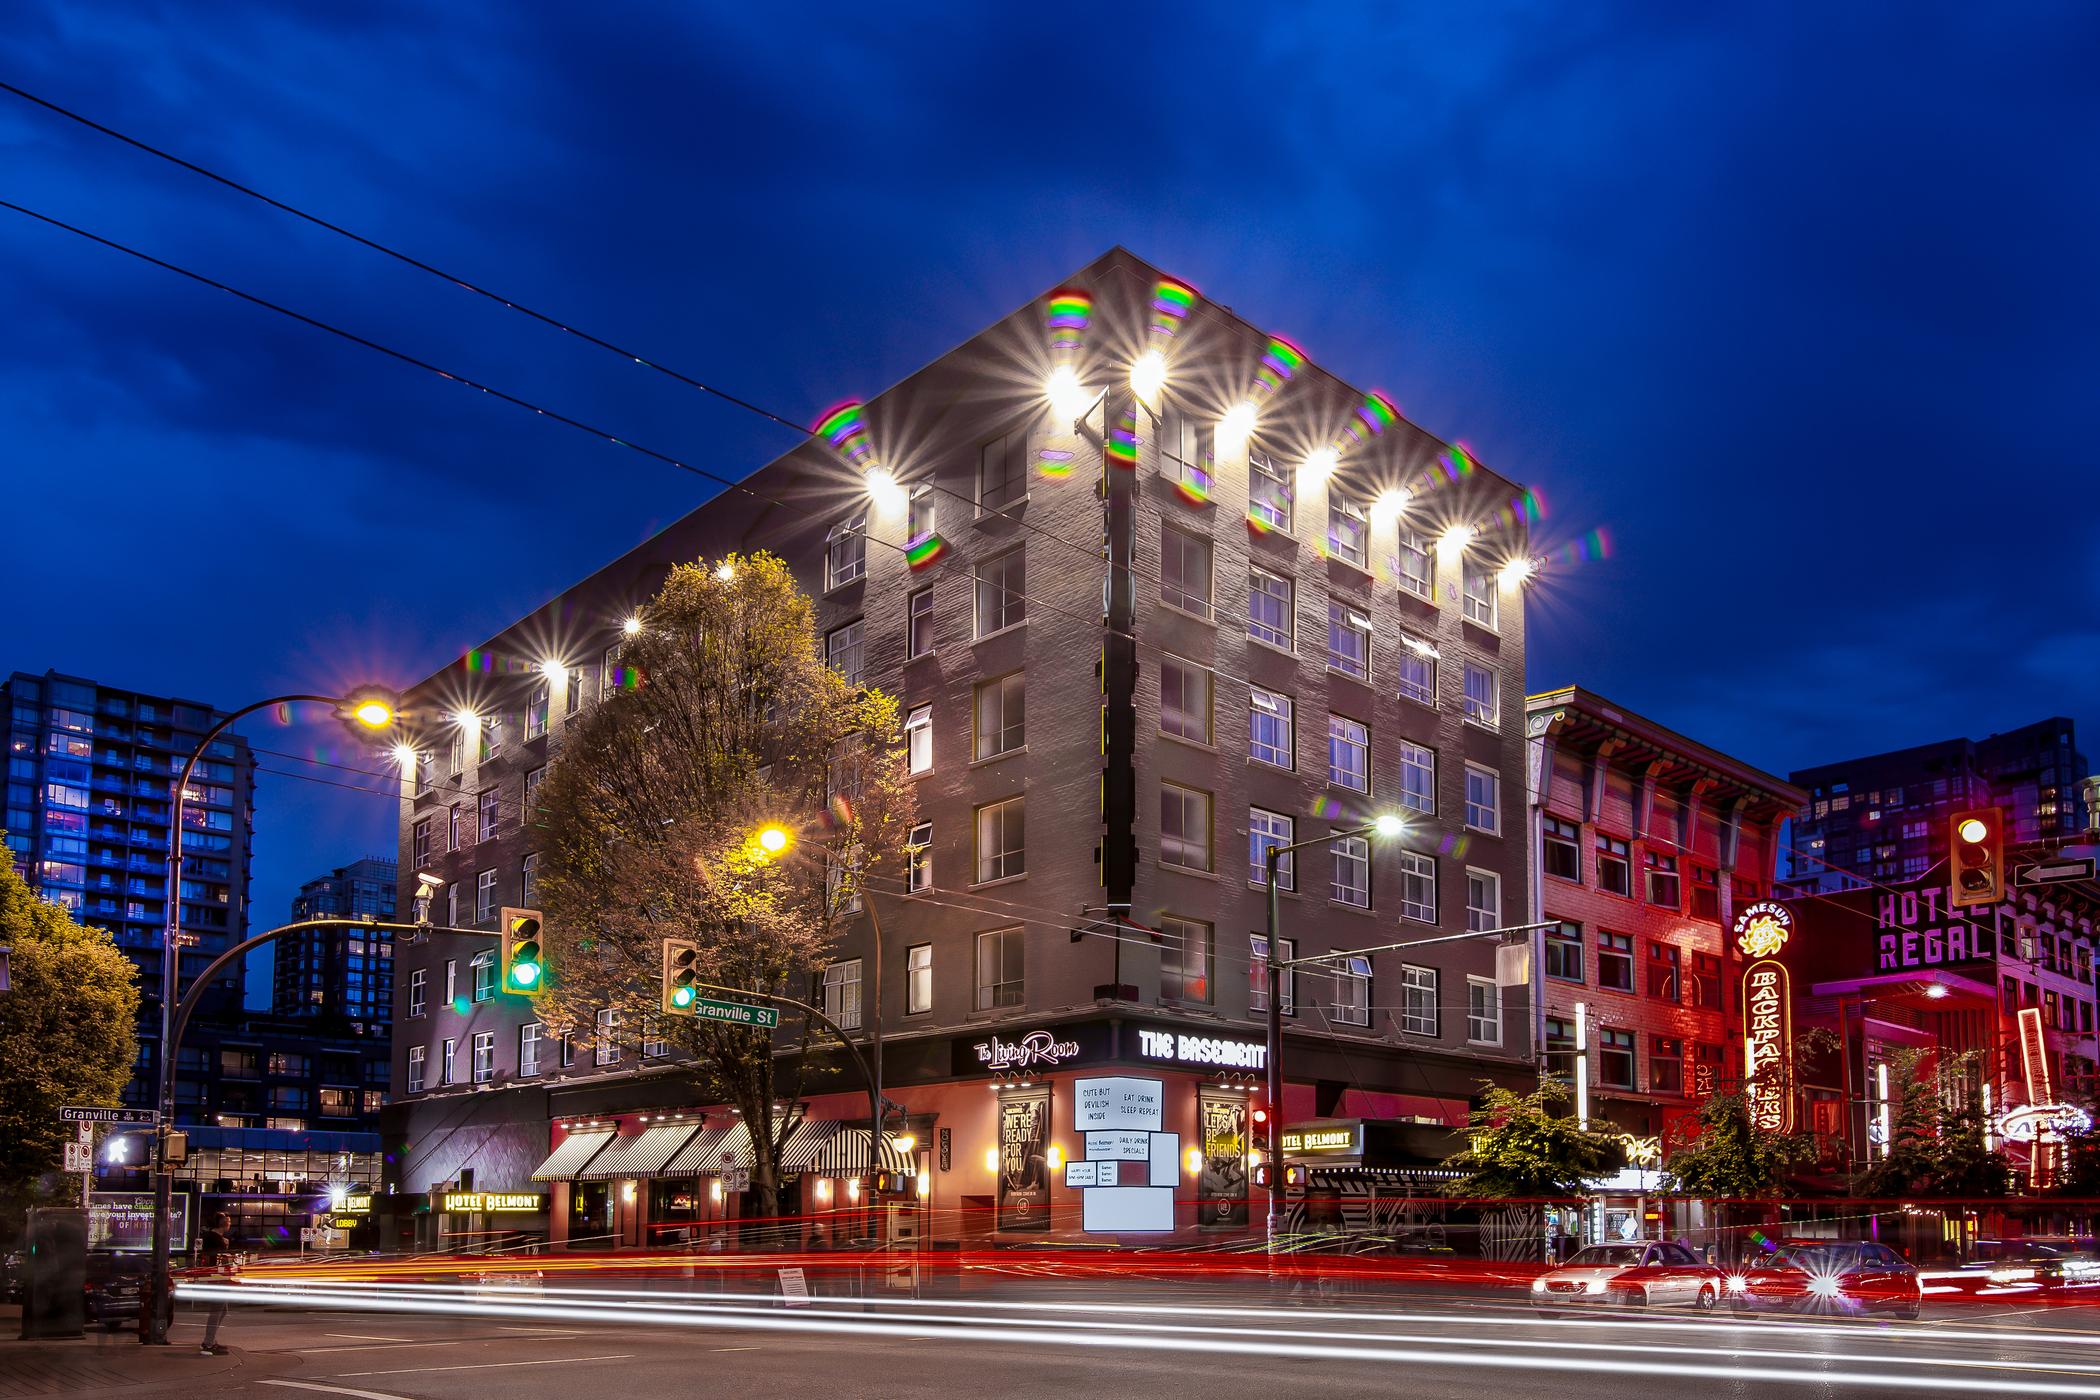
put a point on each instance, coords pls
(1768, 1044)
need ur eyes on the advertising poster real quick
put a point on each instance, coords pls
(1221, 1187)
(1024, 1164)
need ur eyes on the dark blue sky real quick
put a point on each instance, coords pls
(1798, 307)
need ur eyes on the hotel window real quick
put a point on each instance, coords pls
(452, 904)
(1483, 1011)
(529, 880)
(918, 625)
(1706, 893)
(1483, 799)
(1563, 853)
(1270, 725)
(533, 779)
(842, 993)
(1270, 608)
(1350, 882)
(1184, 827)
(1184, 571)
(491, 814)
(1483, 900)
(1181, 454)
(455, 749)
(1560, 1047)
(452, 824)
(842, 648)
(1001, 841)
(484, 1056)
(419, 843)
(654, 1046)
(846, 552)
(1665, 970)
(1417, 777)
(1614, 866)
(919, 515)
(1346, 531)
(607, 1049)
(1184, 699)
(568, 1052)
(1418, 887)
(1268, 492)
(1002, 593)
(417, 1055)
(1477, 584)
(1416, 664)
(1185, 959)
(529, 1037)
(1666, 1065)
(1352, 992)
(1348, 754)
(609, 675)
(536, 710)
(1416, 569)
(1348, 641)
(419, 992)
(918, 739)
(1615, 961)
(1002, 716)
(918, 979)
(484, 967)
(491, 737)
(918, 859)
(1707, 986)
(1264, 830)
(1258, 962)
(1483, 700)
(448, 1067)
(1564, 952)
(1000, 968)
(1662, 879)
(484, 896)
(1615, 1059)
(1002, 472)
(1418, 1004)
(572, 698)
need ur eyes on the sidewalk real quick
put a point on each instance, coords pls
(115, 1361)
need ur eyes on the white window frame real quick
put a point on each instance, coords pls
(1483, 1011)
(1009, 487)
(419, 843)
(1178, 971)
(1414, 563)
(1188, 674)
(1417, 777)
(1001, 593)
(1269, 491)
(418, 1075)
(1483, 799)
(1277, 714)
(1178, 846)
(536, 705)
(419, 992)
(451, 981)
(1418, 876)
(991, 824)
(654, 1046)
(608, 674)
(1258, 983)
(1348, 739)
(1483, 702)
(1415, 667)
(846, 552)
(605, 1047)
(918, 979)
(484, 896)
(1266, 829)
(1483, 915)
(1348, 531)
(483, 966)
(847, 643)
(1478, 592)
(452, 905)
(918, 739)
(1345, 621)
(994, 994)
(1419, 989)
(1009, 732)
(918, 624)
(918, 859)
(533, 778)
(488, 804)
(921, 514)
(842, 983)
(529, 880)
(530, 1037)
(483, 1064)
(1176, 548)
(1181, 454)
(449, 1067)
(1352, 994)
(1263, 584)
(1349, 882)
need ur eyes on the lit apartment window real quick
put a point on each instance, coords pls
(918, 739)
(918, 979)
(1346, 530)
(1268, 492)
(1264, 830)
(843, 649)
(607, 1049)
(1477, 585)
(1351, 879)
(918, 625)
(1417, 777)
(529, 1036)
(417, 1056)
(1483, 696)
(1416, 567)
(1002, 716)
(1001, 840)
(1614, 866)
(1418, 887)
(1563, 852)
(1661, 871)
(1269, 609)
(1184, 827)
(1352, 993)
(1184, 699)
(484, 967)
(484, 1056)
(536, 710)
(1258, 988)
(1348, 754)
(419, 992)
(999, 969)
(1002, 472)
(1418, 1004)
(1348, 641)
(491, 814)
(1564, 951)
(484, 896)
(1002, 593)
(1483, 1011)
(1483, 799)
(918, 859)
(846, 552)
(1483, 900)
(842, 993)
(1184, 571)
(1185, 959)
(1271, 729)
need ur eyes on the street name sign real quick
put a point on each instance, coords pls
(72, 1114)
(2054, 872)
(736, 1013)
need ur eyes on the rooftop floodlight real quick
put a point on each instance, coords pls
(1149, 375)
(1068, 397)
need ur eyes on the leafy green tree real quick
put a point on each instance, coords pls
(68, 1031)
(1527, 1146)
(1935, 1146)
(649, 815)
(1719, 1153)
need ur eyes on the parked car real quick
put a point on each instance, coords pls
(114, 1284)
(1828, 1277)
(1636, 1273)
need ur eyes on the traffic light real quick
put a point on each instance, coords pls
(1259, 1117)
(1293, 1174)
(1263, 1173)
(524, 959)
(1976, 857)
(681, 976)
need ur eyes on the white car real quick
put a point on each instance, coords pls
(1635, 1274)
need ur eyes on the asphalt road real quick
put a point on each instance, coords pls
(1162, 1342)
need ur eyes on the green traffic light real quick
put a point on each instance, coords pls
(681, 996)
(525, 974)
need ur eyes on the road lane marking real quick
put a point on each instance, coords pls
(719, 1349)
(377, 1346)
(487, 1366)
(335, 1390)
(363, 1337)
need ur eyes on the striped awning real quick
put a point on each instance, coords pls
(811, 1136)
(846, 1154)
(640, 1154)
(702, 1155)
(572, 1154)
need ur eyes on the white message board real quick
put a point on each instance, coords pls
(1127, 1210)
(1119, 1146)
(1082, 1174)
(1166, 1159)
(1117, 1101)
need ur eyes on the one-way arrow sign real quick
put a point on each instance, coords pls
(2055, 872)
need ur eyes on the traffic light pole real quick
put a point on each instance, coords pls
(875, 1114)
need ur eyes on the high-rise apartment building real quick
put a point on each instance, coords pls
(91, 771)
(1883, 818)
(341, 971)
(1142, 627)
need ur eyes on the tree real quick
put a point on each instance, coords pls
(1935, 1145)
(1523, 1145)
(649, 814)
(68, 1030)
(1721, 1154)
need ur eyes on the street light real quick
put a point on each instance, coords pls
(371, 709)
(774, 839)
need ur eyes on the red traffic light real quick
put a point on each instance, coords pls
(1261, 1116)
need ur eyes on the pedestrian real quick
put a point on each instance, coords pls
(215, 1252)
